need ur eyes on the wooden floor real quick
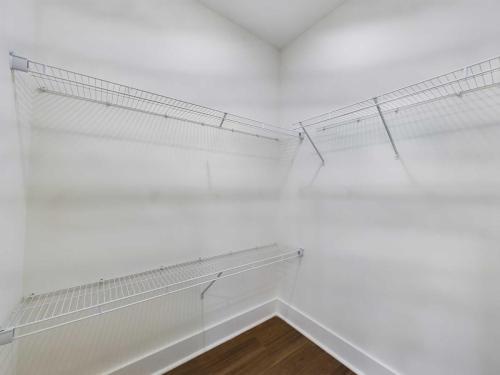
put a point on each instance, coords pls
(272, 348)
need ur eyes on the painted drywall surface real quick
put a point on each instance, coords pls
(401, 259)
(362, 50)
(178, 48)
(112, 192)
(15, 32)
(277, 22)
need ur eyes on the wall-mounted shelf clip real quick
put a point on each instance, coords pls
(19, 63)
(6, 337)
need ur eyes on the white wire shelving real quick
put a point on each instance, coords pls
(482, 75)
(39, 313)
(58, 81)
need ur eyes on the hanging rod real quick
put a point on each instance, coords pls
(58, 81)
(482, 75)
(43, 312)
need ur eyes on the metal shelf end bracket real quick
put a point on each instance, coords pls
(6, 337)
(18, 63)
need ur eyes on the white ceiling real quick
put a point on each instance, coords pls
(275, 21)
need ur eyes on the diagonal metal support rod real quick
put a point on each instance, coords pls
(312, 143)
(396, 152)
(209, 286)
(222, 121)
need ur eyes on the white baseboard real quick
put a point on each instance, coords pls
(175, 354)
(350, 355)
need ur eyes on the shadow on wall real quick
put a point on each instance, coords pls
(92, 117)
(97, 139)
(104, 181)
(449, 145)
(412, 265)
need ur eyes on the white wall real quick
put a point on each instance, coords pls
(113, 192)
(363, 49)
(16, 31)
(176, 48)
(402, 266)
(181, 49)
(401, 262)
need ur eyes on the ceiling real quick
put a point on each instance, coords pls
(275, 21)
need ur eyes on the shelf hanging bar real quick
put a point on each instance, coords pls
(387, 130)
(313, 144)
(54, 80)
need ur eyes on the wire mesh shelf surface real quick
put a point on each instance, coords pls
(475, 77)
(38, 313)
(58, 81)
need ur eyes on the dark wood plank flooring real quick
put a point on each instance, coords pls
(271, 348)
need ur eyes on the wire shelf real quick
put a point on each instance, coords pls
(38, 313)
(485, 74)
(58, 81)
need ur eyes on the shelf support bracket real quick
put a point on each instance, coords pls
(222, 121)
(202, 296)
(6, 337)
(312, 143)
(18, 63)
(393, 144)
